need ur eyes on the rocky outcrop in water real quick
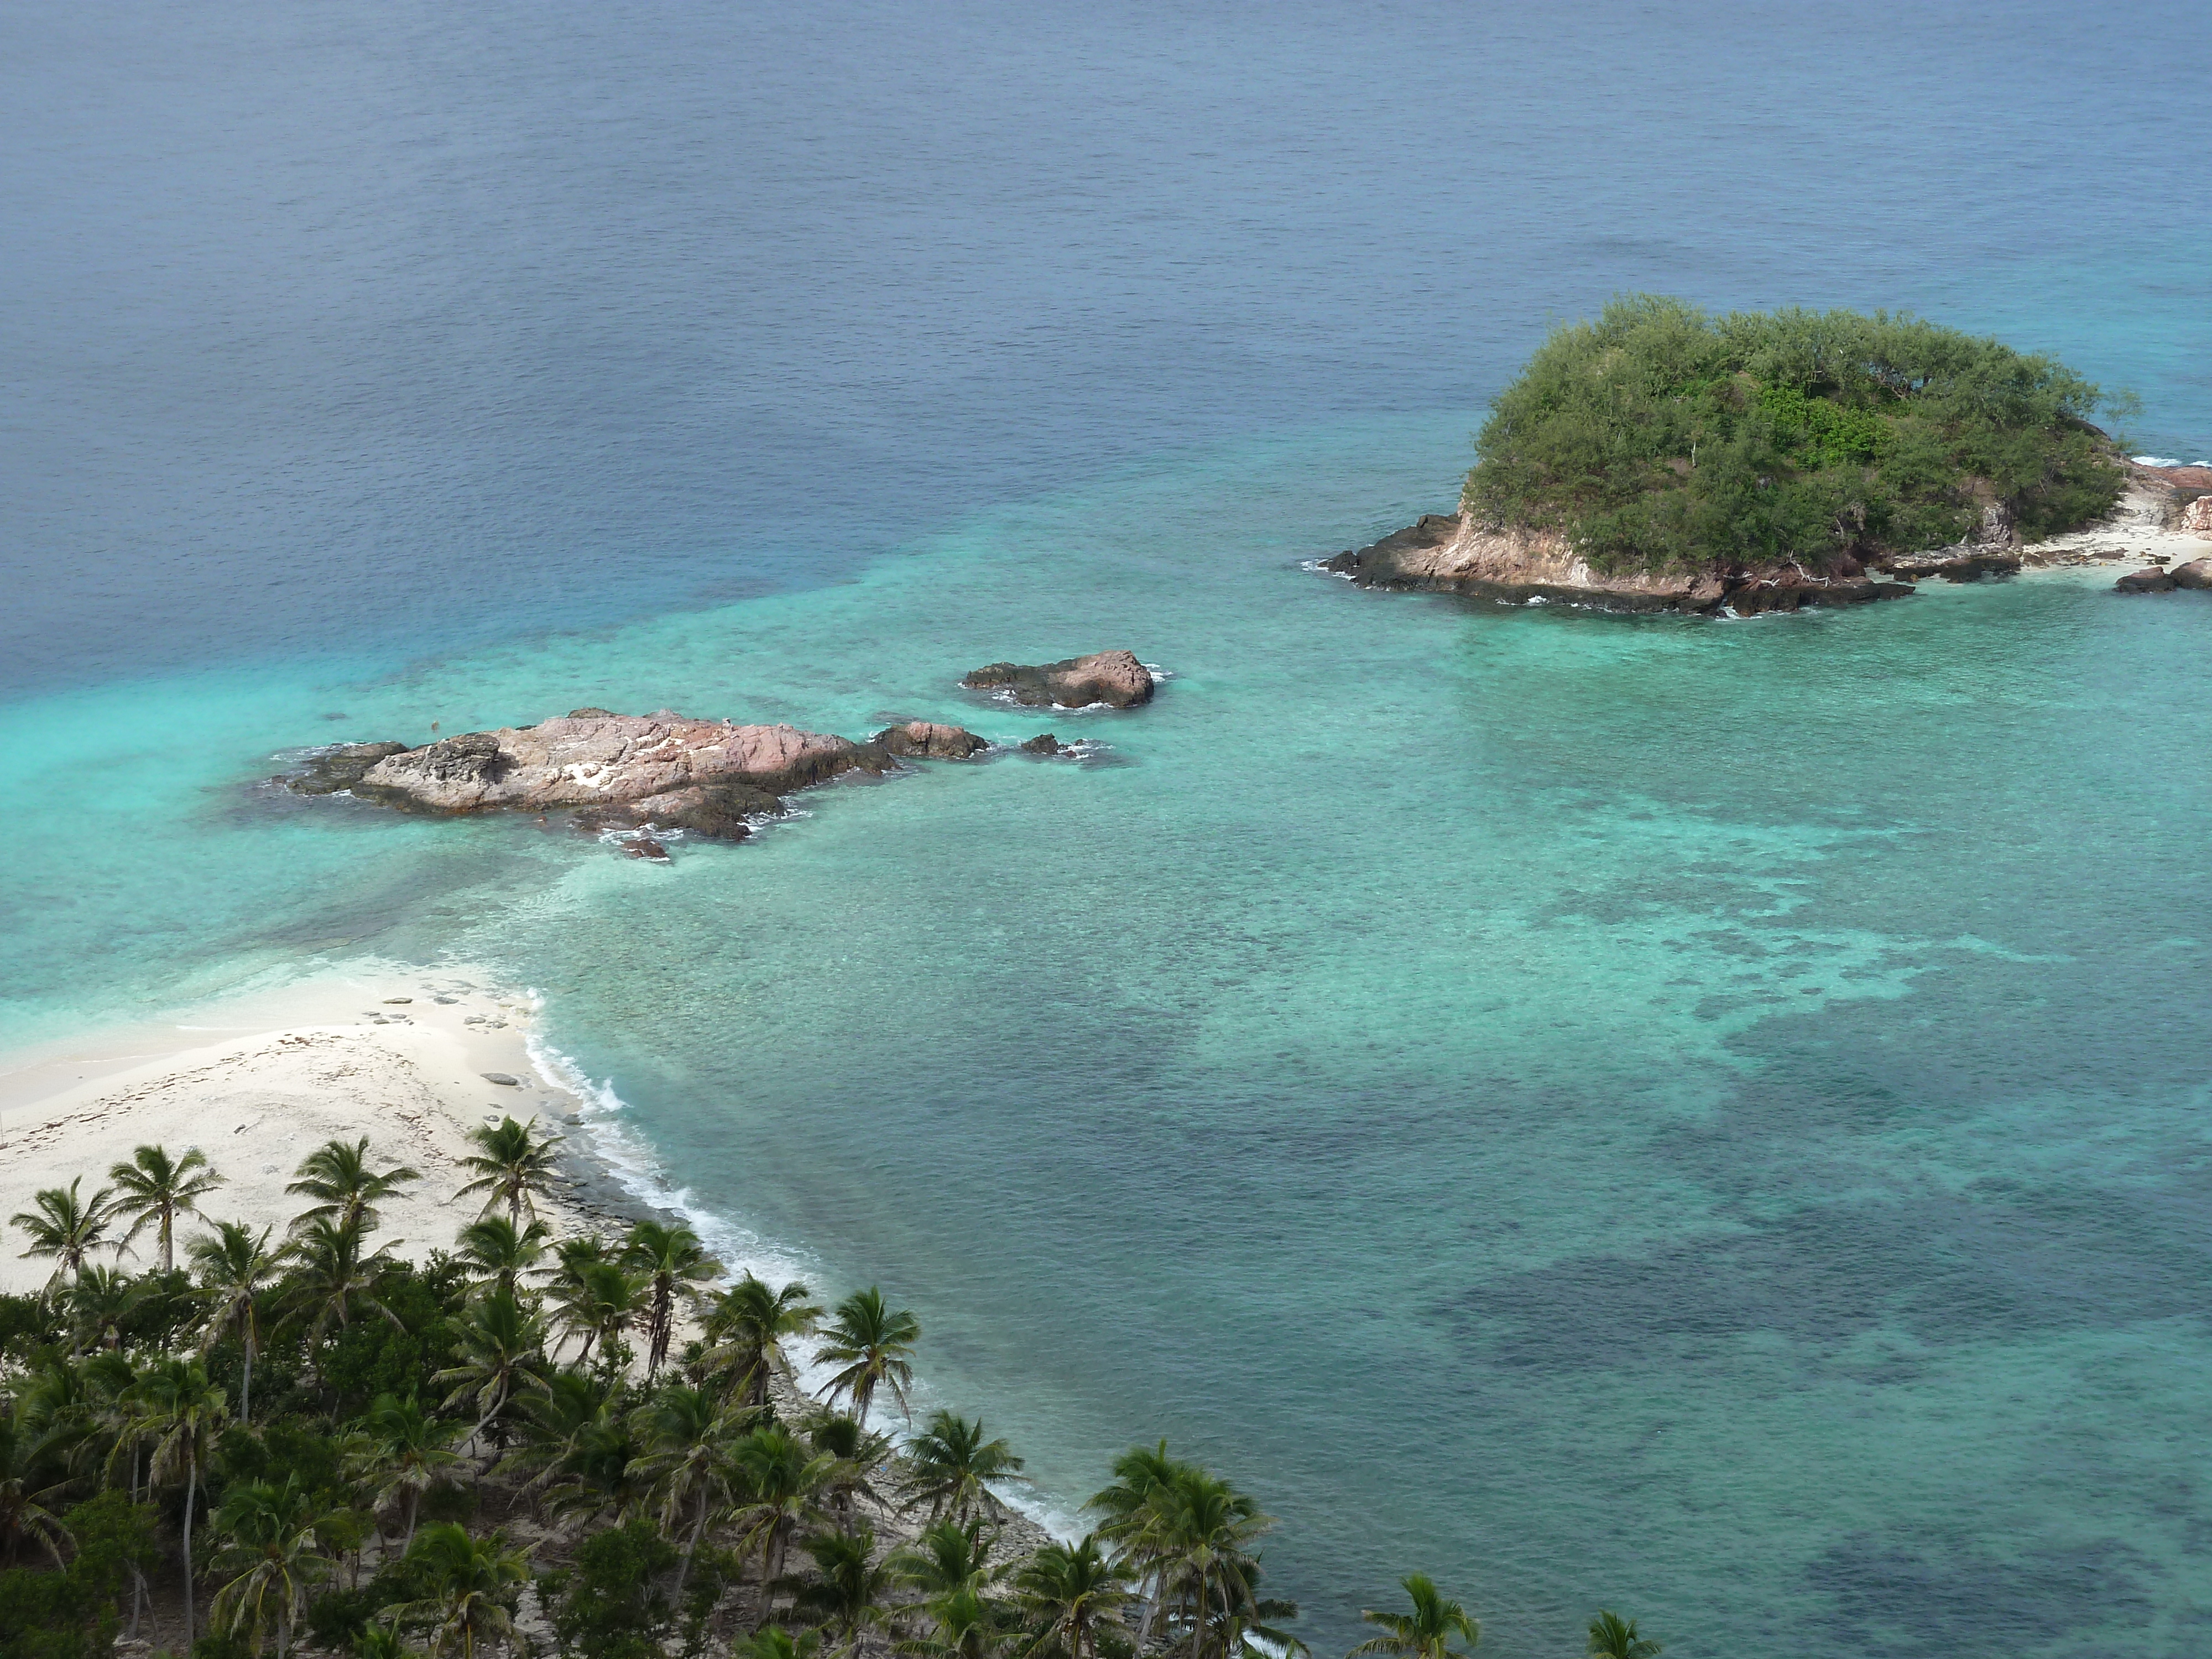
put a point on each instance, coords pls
(1043, 743)
(612, 771)
(1949, 564)
(922, 740)
(1451, 554)
(329, 770)
(1116, 678)
(2196, 573)
(2151, 580)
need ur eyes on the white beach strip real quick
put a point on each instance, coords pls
(258, 1082)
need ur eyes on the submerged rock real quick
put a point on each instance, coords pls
(644, 847)
(1452, 554)
(923, 740)
(2151, 580)
(340, 767)
(1116, 678)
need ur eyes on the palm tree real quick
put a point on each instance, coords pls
(501, 1345)
(473, 1582)
(500, 1251)
(1241, 1627)
(690, 1437)
(1426, 1632)
(1132, 1505)
(182, 1412)
(876, 1348)
(857, 1453)
(1612, 1636)
(946, 1557)
(1073, 1597)
(513, 1165)
(271, 1553)
(965, 1625)
(846, 1595)
(153, 1190)
(783, 1486)
(596, 1301)
(949, 1467)
(237, 1271)
(552, 1426)
(66, 1227)
(748, 1324)
(33, 1476)
(1200, 1543)
(333, 1276)
(672, 1260)
(346, 1190)
(407, 1451)
(98, 1302)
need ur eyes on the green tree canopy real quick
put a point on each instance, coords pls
(1661, 437)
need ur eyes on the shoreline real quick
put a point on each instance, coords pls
(257, 1081)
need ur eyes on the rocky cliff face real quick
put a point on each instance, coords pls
(1455, 555)
(613, 771)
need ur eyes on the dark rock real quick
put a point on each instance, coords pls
(505, 1079)
(1954, 566)
(341, 767)
(590, 714)
(1043, 743)
(2150, 581)
(391, 1002)
(470, 760)
(644, 847)
(1116, 678)
(922, 740)
(2198, 573)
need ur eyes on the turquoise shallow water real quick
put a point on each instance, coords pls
(1704, 1117)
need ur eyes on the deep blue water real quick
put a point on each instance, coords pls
(1703, 1119)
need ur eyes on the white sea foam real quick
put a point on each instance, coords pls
(2155, 460)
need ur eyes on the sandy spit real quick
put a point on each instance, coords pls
(256, 1083)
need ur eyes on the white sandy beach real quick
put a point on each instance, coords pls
(258, 1082)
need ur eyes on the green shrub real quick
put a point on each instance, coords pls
(1660, 437)
(611, 1604)
(75, 1613)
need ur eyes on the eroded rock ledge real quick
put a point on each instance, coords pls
(613, 771)
(1451, 554)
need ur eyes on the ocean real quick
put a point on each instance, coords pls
(1703, 1119)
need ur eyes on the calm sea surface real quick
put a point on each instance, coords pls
(1709, 1120)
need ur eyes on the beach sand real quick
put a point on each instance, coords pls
(257, 1082)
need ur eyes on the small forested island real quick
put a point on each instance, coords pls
(1661, 457)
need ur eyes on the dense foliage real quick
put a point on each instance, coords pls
(308, 1445)
(1660, 437)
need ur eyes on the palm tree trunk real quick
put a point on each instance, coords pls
(414, 1502)
(191, 1495)
(691, 1548)
(169, 1255)
(246, 1388)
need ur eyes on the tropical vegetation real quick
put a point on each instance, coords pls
(1661, 437)
(306, 1445)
